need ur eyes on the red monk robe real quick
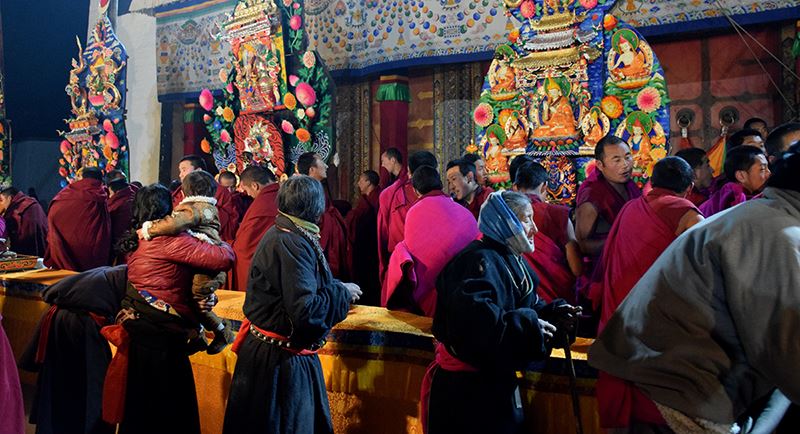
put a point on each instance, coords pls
(696, 197)
(242, 202)
(643, 230)
(228, 215)
(333, 239)
(362, 230)
(481, 194)
(728, 196)
(549, 260)
(79, 235)
(26, 225)
(120, 208)
(258, 218)
(597, 191)
(436, 230)
(394, 203)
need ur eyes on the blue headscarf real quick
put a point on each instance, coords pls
(499, 223)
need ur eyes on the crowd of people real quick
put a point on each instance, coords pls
(694, 317)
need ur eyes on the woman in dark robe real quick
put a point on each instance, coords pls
(154, 391)
(292, 302)
(490, 323)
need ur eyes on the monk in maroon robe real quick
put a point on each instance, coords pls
(258, 183)
(747, 172)
(703, 174)
(644, 228)
(228, 214)
(332, 228)
(26, 222)
(462, 181)
(120, 205)
(600, 198)
(362, 231)
(241, 201)
(557, 258)
(79, 225)
(394, 203)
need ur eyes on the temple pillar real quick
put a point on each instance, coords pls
(394, 97)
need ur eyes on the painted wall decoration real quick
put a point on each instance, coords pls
(96, 89)
(274, 80)
(567, 76)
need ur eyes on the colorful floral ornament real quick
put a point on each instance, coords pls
(305, 94)
(223, 75)
(527, 8)
(310, 112)
(287, 127)
(483, 115)
(293, 79)
(588, 4)
(611, 106)
(225, 136)
(303, 135)
(296, 22)
(205, 146)
(609, 22)
(206, 100)
(649, 99)
(227, 114)
(290, 101)
(309, 60)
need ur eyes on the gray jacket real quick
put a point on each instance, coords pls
(714, 324)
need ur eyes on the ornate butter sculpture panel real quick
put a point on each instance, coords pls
(569, 75)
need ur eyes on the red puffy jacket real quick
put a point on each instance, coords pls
(164, 267)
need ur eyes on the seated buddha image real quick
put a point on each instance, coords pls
(628, 60)
(595, 126)
(515, 126)
(557, 117)
(502, 75)
(639, 126)
(496, 162)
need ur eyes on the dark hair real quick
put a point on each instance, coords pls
(115, 175)
(426, 179)
(737, 139)
(672, 173)
(199, 183)
(774, 143)
(516, 163)
(306, 162)
(301, 196)
(9, 191)
(372, 177)
(117, 185)
(530, 176)
(471, 158)
(174, 185)
(421, 158)
(137, 184)
(517, 202)
(93, 173)
(785, 170)
(609, 140)
(196, 162)
(693, 156)
(150, 203)
(740, 158)
(227, 174)
(748, 124)
(394, 153)
(257, 174)
(464, 167)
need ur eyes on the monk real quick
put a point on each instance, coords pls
(394, 203)
(462, 181)
(436, 230)
(362, 232)
(746, 137)
(600, 198)
(120, 204)
(26, 222)
(258, 183)
(746, 172)
(480, 169)
(79, 225)
(703, 174)
(557, 258)
(392, 165)
(781, 139)
(228, 214)
(240, 200)
(332, 228)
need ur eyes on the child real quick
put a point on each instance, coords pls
(197, 216)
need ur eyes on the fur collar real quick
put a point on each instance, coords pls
(206, 199)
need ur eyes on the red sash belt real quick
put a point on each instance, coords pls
(116, 382)
(47, 324)
(250, 328)
(443, 360)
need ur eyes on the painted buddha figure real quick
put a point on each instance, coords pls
(640, 145)
(516, 130)
(496, 162)
(502, 78)
(631, 62)
(557, 117)
(596, 132)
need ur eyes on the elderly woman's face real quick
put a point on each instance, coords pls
(527, 223)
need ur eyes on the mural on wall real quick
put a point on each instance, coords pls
(5, 139)
(274, 80)
(647, 13)
(567, 76)
(96, 90)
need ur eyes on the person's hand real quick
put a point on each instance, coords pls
(547, 329)
(208, 303)
(354, 290)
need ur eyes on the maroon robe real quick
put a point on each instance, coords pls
(644, 228)
(481, 194)
(258, 218)
(120, 207)
(362, 232)
(696, 197)
(597, 191)
(395, 201)
(26, 225)
(549, 260)
(242, 202)
(333, 239)
(79, 235)
(228, 215)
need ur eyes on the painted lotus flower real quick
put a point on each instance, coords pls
(301, 114)
(108, 126)
(287, 3)
(112, 140)
(305, 94)
(296, 22)
(225, 136)
(287, 127)
(649, 99)
(229, 88)
(513, 36)
(611, 106)
(206, 118)
(483, 115)
(310, 112)
(65, 145)
(205, 146)
(527, 9)
(293, 79)
(609, 22)
(206, 100)
(588, 4)
(309, 60)
(227, 114)
(302, 135)
(289, 101)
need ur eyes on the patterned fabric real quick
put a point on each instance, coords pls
(499, 223)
